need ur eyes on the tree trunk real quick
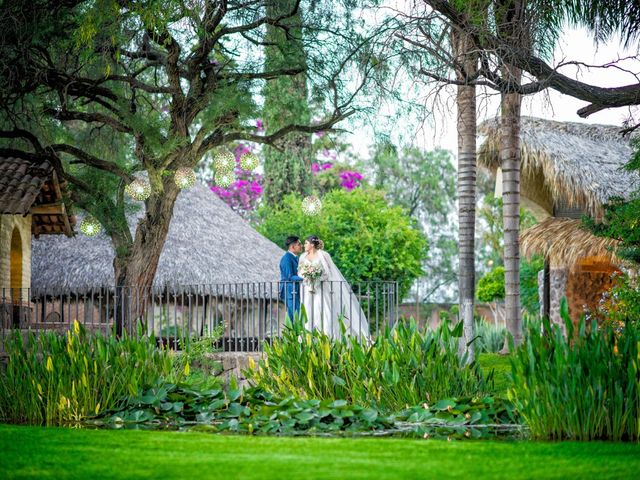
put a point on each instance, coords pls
(466, 124)
(510, 161)
(287, 168)
(135, 265)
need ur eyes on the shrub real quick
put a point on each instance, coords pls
(582, 387)
(620, 305)
(57, 379)
(491, 286)
(367, 238)
(490, 338)
(401, 367)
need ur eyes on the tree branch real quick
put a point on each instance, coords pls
(600, 97)
(68, 115)
(91, 161)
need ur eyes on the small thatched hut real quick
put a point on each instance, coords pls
(211, 254)
(568, 170)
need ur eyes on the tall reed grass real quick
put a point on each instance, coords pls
(582, 387)
(55, 379)
(403, 366)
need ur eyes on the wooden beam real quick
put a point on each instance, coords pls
(48, 209)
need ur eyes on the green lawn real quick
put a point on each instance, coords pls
(34, 452)
(501, 366)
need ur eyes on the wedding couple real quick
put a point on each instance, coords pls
(314, 281)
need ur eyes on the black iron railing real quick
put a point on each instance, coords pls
(241, 315)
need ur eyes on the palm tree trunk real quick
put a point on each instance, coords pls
(510, 161)
(467, 126)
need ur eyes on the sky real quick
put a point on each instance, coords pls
(574, 45)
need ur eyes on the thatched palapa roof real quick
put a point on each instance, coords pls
(579, 163)
(207, 243)
(565, 242)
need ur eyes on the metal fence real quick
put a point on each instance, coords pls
(245, 314)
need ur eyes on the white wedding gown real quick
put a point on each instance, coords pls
(333, 299)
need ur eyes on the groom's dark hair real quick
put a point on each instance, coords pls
(290, 241)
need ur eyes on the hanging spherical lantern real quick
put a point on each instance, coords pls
(185, 177)
(249, 161)
(224, 179)
(224, 162)
(311, 205)
(139, 189)
(90, 226)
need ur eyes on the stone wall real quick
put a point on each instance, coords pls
(7, 225)
(233, 364)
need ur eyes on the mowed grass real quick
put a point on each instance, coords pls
(35, 452)
(501, 366)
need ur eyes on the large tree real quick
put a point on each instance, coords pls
(169, 81)
(287, 167)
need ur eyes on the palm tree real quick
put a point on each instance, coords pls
(509, 23)
(467, 126)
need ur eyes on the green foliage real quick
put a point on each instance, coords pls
(423, 183)
(403, 366)
(492, 236)
(620, 305)
(286, 168)
(367, 239)
(254, 411)
(490, 337)
(622, 217)
(194, 364)
(529, 296)
(55, 379)
(583, 387)
(491, 286)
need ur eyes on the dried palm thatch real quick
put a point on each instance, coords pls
(565, 241)
(581, 164)
(207, 243)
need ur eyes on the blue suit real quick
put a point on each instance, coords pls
(289, 283)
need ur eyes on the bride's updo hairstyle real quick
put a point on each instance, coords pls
(315, 241)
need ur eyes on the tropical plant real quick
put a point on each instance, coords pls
(489, 338)
(255, 411)
(402, 366)
(582, 386)
(367, 239)
(464, 50)
(57, 379)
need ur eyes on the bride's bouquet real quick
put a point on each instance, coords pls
(311, 273)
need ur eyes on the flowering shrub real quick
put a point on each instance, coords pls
(317, 167)
(350, 180)
(244, 194)
(334, 175)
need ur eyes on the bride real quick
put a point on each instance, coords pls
(327, 296)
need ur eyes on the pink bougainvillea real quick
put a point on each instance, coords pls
(319, 167)
(244, 194)
(350, 180)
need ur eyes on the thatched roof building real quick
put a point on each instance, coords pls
(568, 170)
(566, 165)
(207, 243)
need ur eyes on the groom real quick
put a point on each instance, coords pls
(289, 279)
